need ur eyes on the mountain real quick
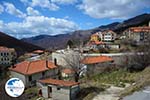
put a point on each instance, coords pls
(59, 41)
(20, 46)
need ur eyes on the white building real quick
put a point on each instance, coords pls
(64, 57)
(107, 35)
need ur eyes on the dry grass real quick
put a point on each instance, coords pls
(142, 80)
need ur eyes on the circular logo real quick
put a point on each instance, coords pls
(14, 87)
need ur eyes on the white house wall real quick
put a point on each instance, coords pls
(20, 76)
(62, 94)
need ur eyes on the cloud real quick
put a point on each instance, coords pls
(113, 8)
(37, 25)
(64, 1)
(1, 9)
(41, 3)
(11, 9)
(32, 12)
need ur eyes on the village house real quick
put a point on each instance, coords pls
(7, 56)
(95, 37)
(31, 71)
(95, 43)
(63, 57)
(102, 39)
(137, 34)
(59, 89)
(107, 36)
(92, 62)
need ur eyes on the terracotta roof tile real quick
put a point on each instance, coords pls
(58, 82)
(96, 59)
(94, 34)
(2, 48)
(106, 31)
(38, 51)
(97, 42)
(68, 71)
(140, 29)
(27, 67)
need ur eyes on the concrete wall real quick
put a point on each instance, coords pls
(59, 58)
(63, 93)
(20, 76)
(59, 92)
(37, 76)
(65, 56)
(45, 91)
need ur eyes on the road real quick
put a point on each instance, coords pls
(140, 95)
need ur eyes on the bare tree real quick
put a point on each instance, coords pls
(72, 60)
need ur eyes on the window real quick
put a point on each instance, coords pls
(43, 74)
(55, 61)
(30, 78)
(58, 88)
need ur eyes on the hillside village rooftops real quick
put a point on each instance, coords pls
(140, 29)
(95, 34)
(2, 48)
(96, 59)
(106, 31)
(59, 82)
(31, 67)
(38, 51)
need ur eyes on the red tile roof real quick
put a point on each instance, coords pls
(97, 42)
(2, 48)
(58, 82)
(140, 29)
(38, 51)
(96, 59)
(106, 31)
(28, 68)
(68, 71)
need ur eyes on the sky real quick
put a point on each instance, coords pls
(27, 18)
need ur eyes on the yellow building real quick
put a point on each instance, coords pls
(94, 37)
(7, 56)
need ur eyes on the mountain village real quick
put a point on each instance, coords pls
(68, 73)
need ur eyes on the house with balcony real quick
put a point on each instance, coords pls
(94, 63)
(107, 36)
(31, 71)
(137, 34)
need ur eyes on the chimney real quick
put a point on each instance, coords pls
(55, 62)
(47, 63)
(13, 66)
